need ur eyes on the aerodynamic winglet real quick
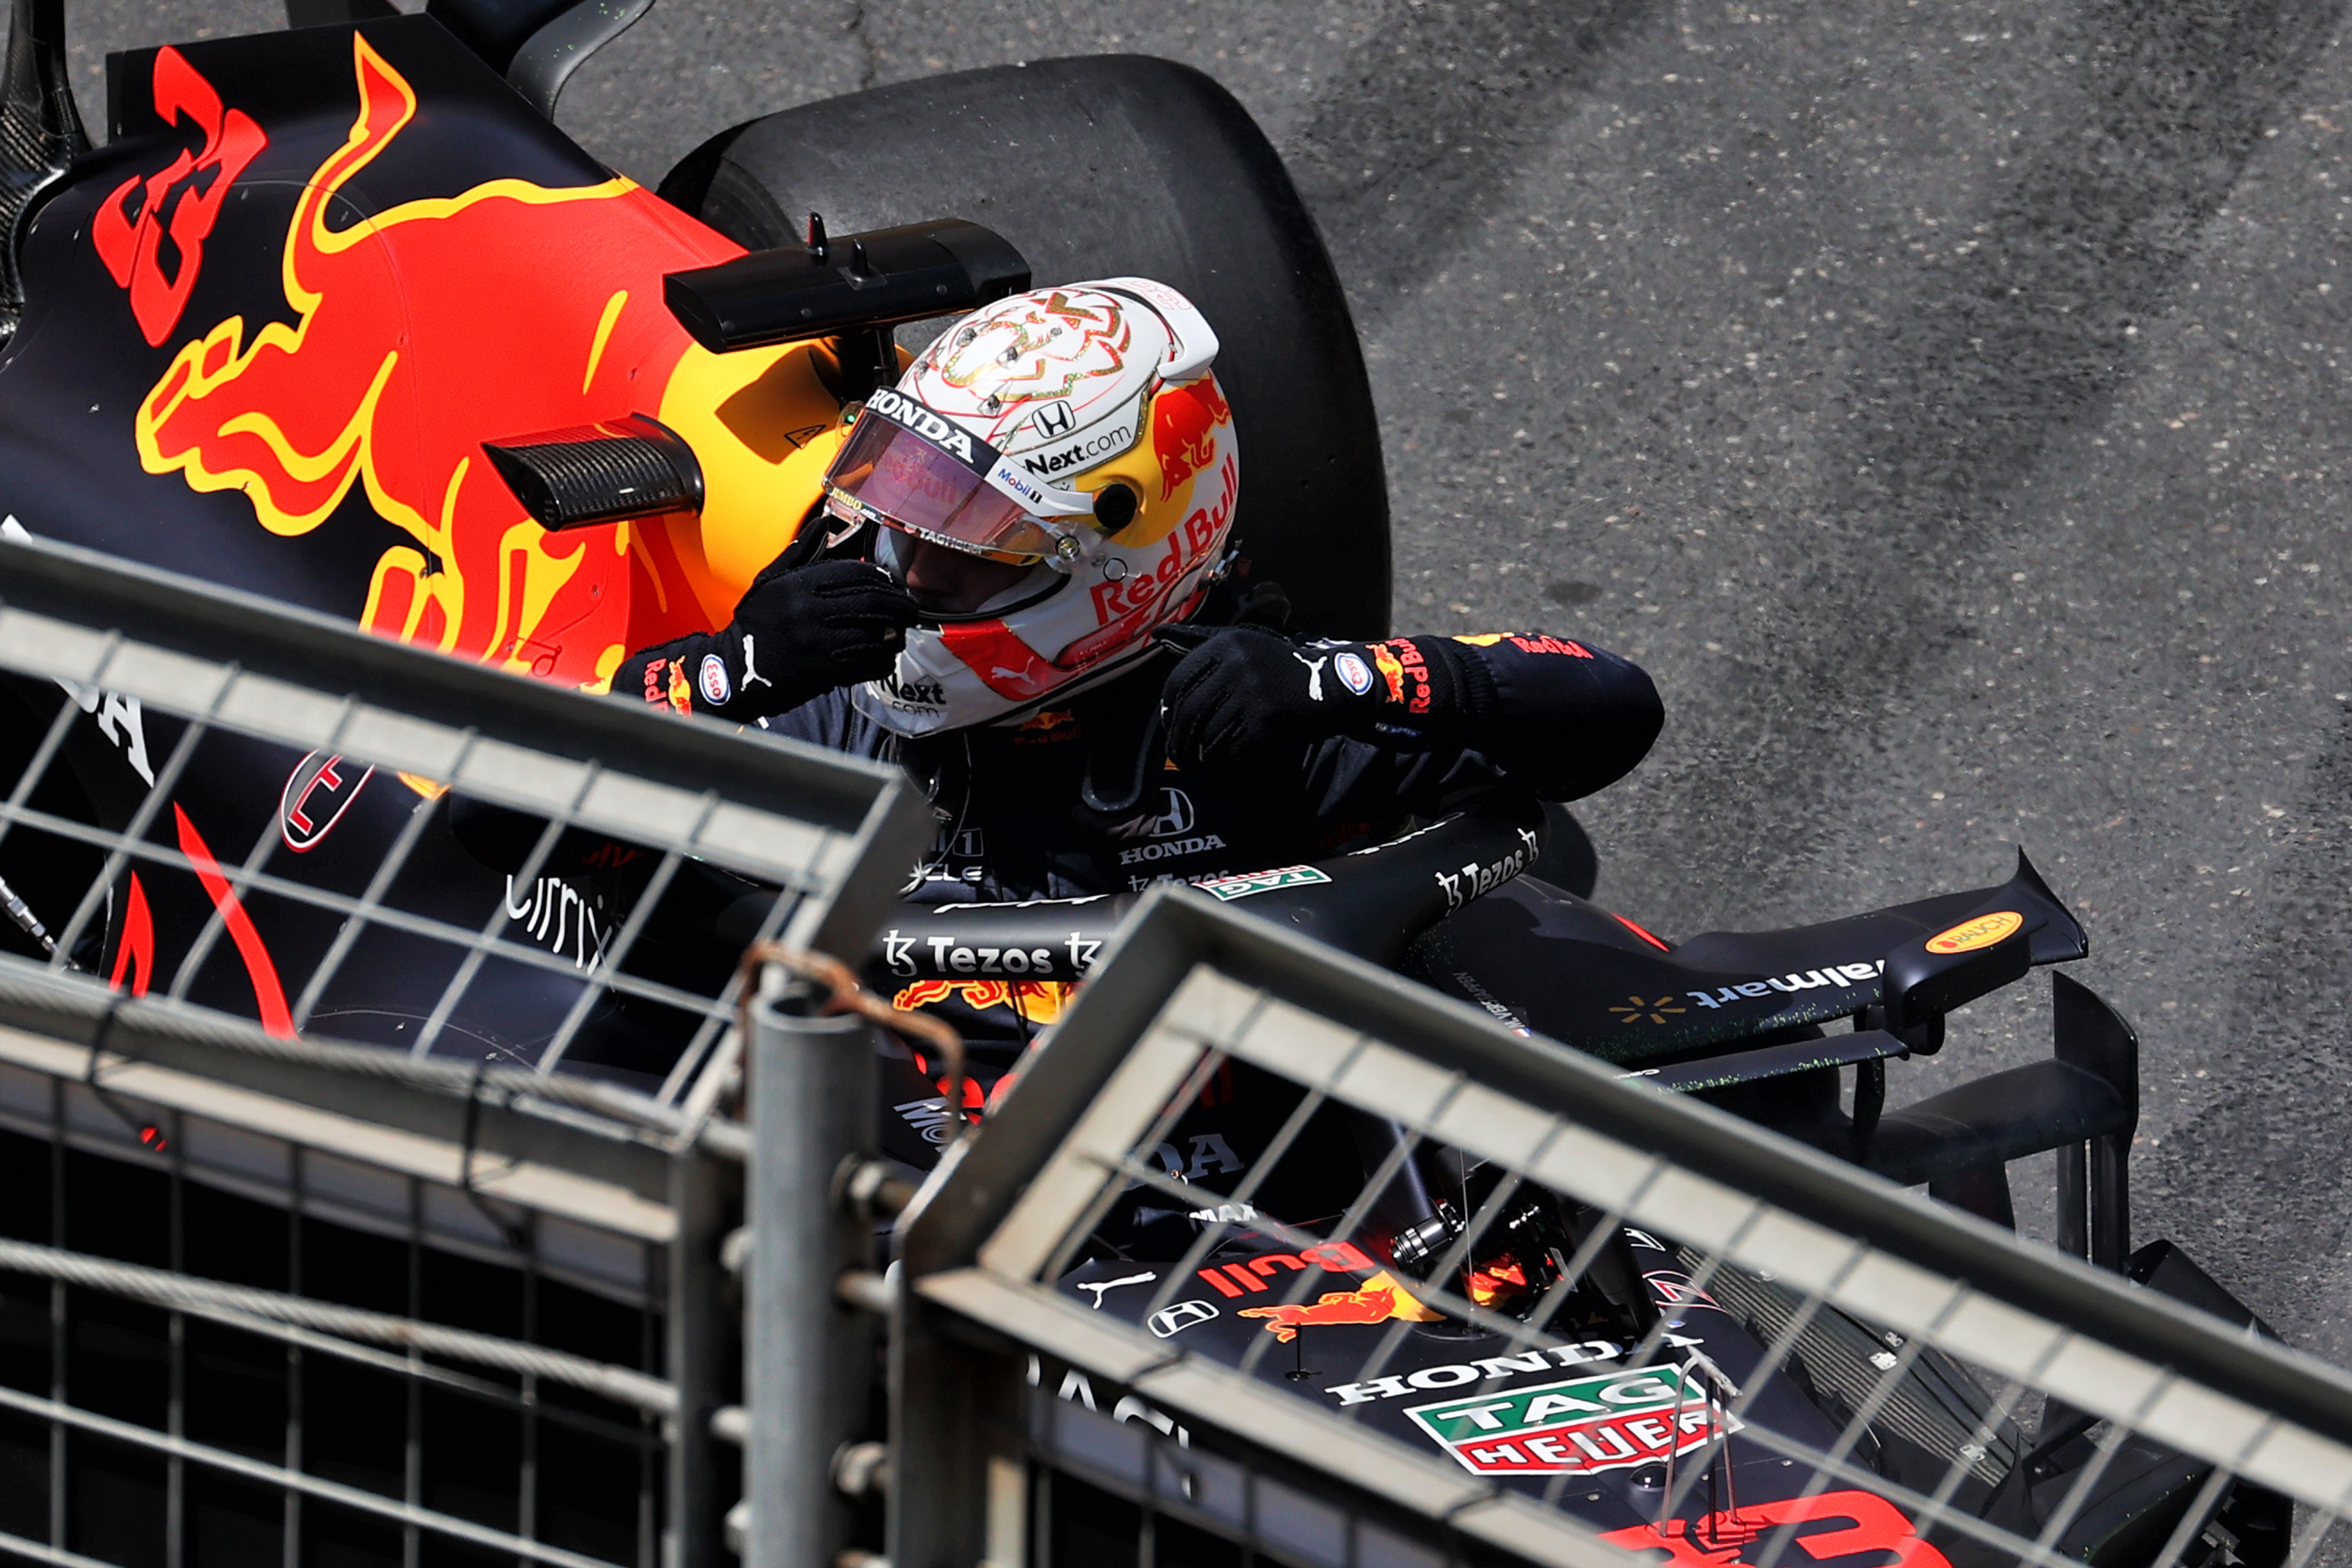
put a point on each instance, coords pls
(2061, 939)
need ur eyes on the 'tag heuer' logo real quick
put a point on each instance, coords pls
(1583, 1424)
(1225, 890)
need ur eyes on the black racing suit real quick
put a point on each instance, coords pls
(1561, 720)
(1558, 720)
(1013, 824)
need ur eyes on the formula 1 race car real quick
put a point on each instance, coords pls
(336, 315)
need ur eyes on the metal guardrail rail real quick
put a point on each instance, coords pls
(1900, 1351)
(440, 1283)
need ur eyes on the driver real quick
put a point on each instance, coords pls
(1049, 490)
(1052, 484)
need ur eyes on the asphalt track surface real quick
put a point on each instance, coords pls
(1945, 401)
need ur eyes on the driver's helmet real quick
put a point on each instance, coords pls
(1076, 429)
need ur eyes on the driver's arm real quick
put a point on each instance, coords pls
(1560, 717)
(798, 633)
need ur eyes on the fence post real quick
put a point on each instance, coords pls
(810, 1358)
(698, 1329)
(959, 1416)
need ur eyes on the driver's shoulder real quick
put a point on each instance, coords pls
(834, 721)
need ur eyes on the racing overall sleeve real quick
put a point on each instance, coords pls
(1563, 718)
(798, 633)
(1557, 717)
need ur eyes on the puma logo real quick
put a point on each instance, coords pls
(1314, 674)
(1099, 1287)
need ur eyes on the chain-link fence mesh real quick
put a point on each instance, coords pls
(218, 801)
(357, 1064)
(359, 1042)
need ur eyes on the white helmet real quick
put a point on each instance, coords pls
(1075, 428)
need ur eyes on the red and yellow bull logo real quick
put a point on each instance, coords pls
(1184, 421)
(1376, 1301)
(432, 326)
(1035, 1001)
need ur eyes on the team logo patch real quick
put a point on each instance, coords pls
(716, 688)
(1578, 1426)
(1077, 454)
(937, 430)
(1353, 672)
(931, 694)
(1176, 816)
(1982, 932)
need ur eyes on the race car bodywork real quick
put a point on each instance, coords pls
(1309, 1246)
(301, 326)
(307, 277)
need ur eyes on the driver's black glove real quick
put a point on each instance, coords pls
(797, 634)
(1246, 693)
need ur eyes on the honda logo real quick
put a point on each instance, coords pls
(1175, 1319)
(1053, 420)
(320, 789)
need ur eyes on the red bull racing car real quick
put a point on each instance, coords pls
(337, 315)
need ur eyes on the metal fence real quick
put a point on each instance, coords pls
(367, 1165)
(496, 1237)
(1620, 1323)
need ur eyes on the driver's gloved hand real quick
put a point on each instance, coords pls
(1246, 692)
(798, 633)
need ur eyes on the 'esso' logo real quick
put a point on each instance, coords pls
(716, 688)
(1982, 932)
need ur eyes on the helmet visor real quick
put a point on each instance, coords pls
(892, 472)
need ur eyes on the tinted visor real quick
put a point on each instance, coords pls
(890, 474)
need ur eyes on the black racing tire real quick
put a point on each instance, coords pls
(1105, 166)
